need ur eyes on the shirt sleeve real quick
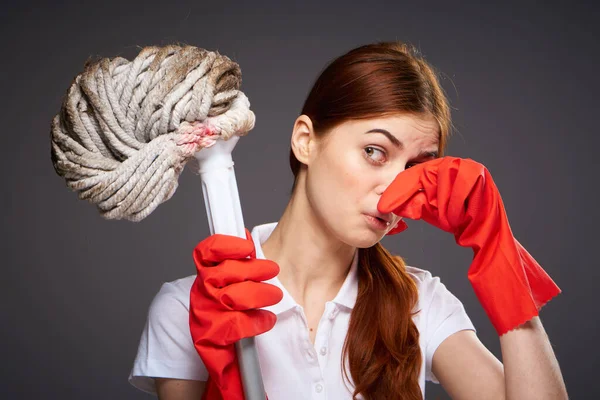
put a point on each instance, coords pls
(166, 349)
(445, 315)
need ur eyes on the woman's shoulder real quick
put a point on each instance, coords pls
(431, 289)
(178, 286)
(172, 295)
(422, 277)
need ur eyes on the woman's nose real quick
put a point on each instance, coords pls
(386, 181)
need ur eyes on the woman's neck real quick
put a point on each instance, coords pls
(313, 262)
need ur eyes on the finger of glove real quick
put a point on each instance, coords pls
(248, 295)
(448, 188)
(482, 207)
(209, 329)
(460, 185)
(408, 183)
(233, 271)
(405, 185)
(422, 205)
(450, 192)
(440, 192)
(217, 248)
(401, 226)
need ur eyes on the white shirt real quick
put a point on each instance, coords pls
(292, 368)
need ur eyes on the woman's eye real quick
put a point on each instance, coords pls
(375, 155)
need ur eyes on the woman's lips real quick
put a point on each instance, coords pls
(376, 223)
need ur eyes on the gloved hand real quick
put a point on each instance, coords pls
(224, 307)
(459, 196)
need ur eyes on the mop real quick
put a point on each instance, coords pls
(126, 129)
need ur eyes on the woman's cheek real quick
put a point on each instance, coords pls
(360, 173)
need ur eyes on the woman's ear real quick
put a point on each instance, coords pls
(303, 138)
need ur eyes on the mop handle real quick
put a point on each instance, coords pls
(224, 212)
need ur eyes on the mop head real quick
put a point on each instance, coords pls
(126, 129)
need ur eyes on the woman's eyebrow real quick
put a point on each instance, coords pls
(388, 135)
(400, 145)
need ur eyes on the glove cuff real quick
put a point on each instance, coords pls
(513, 293)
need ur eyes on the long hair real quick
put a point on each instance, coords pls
(382, 345)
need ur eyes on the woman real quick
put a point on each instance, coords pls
(337, 316)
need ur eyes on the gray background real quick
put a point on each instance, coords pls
(524, 88)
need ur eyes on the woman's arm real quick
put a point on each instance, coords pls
(530, 367)
(468, 370)
(179, 389)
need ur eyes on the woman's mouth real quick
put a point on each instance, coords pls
(376, 222)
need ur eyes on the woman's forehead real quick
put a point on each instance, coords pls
(402, 126)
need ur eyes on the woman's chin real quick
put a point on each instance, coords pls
(365, 239)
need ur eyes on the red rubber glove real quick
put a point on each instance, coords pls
(459, 196)
(224, 302)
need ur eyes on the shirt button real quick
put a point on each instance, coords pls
(319, 388)
(323, 351)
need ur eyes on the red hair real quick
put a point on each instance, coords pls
(382, 345)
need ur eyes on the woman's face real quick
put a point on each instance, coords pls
(352, 165)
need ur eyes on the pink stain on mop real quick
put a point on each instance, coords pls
(196, 136)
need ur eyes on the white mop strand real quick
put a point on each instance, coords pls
(126, 129)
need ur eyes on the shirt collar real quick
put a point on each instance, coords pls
(345, 297)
